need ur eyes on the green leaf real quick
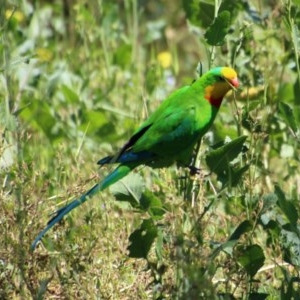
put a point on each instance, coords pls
(223, 131)
(152, 78)
(243, 227)
(142, 239)
(129, 189)
(296, 92)
(122, 56)
(69, 95)
(287, 207)
(217, 160)
(295, 37)
(152, 204)
(40, 114)
(286, 92)
(286, 113)
(216, 33)
(250, 123)
(92, 121)
(268, 213)
(258, 296)
(296, 112)
(251, 258)
(269, 200)
(229, 245)
(199, 13)
(235, 175)
(7, 120)
(290, 241)
(159, 244)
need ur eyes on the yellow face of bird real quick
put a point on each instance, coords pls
(230, 76)
(227, 79)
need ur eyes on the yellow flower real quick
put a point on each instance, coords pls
(16, 14)
(44, 54)
(165, 59)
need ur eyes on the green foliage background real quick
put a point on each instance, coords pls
(76, 79)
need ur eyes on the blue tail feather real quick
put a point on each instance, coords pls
(120, 172)
(128, 157)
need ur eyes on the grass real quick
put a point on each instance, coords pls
(76, 80)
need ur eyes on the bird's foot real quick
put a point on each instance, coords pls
(194, 170)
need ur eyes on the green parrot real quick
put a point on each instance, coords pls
(169, 135)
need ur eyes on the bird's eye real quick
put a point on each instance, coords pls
(220, 78)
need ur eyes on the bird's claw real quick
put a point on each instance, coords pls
(194, 170)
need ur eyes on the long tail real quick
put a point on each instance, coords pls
(120, 172)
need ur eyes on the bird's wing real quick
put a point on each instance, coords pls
(172, 132)
(168, 135)
(132, 149)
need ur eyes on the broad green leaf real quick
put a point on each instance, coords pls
(242, 228)
(269, 214)
(132, 189)
(39, 113)
(7, 120)
(152, 204)
(159, 244)
(216, 33)
(231, 176)
(122, 56)
(223, 131)
(228, 246)
(250, 123)
(286, 113)
(295, 37)
(253, 104)
(287, 207)
(142, 239)
(297, 92)
(290, 241)
(234, 7)
(258, 296)
(69, 95)
(235, 175)
(297, 116)
(217, 160)
(129, 189)
(268, 218)
(152, 78)
(269, 200)
(199, 13)
(286, 92)
(93, 121)
(251, 258)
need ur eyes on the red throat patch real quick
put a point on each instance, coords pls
(215, 102)
(215, 93)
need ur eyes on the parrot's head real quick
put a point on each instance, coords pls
(218, 82)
